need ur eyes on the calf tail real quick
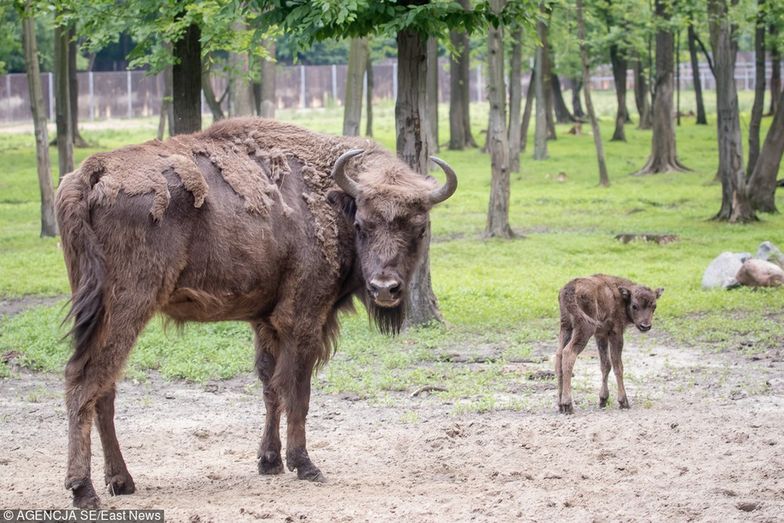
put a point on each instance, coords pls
(569, 302)
(84, 257)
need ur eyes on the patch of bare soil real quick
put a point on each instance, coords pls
(11, 306)
(703, 441)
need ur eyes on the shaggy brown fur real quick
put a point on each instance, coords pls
(601, 306)
(760, 273)
(243, 221)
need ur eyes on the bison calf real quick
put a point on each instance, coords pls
(600, 306)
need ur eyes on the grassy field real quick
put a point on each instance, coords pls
(497, 297)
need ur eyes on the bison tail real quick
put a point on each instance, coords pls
(84, 257)
(569, 301)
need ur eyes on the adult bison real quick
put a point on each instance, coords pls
(251, 220)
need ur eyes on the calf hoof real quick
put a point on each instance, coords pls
(270, 463)
(566, 408)
(84, 495)
(299, 459)
(624, 403)
(310, 472)
(120, 484)
(602, 403)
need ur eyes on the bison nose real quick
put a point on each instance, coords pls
(644, 327)
(385, 290)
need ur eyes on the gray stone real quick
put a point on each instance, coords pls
(721, 272)
(769, 252)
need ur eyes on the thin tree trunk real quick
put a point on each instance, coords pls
(460, 135)
(48, 222)
(432, 93)
(410, 126)
(604, 180)
(369, 97)
(73, 90)
(762, 183)
(696, 80)
(529, 104)
(268, 80)
(619, 67)
(735, 205)
(167, 110)
(775, 62)
(540, 128)
(65, 161)
(355, 78)
(548, 91)
(209, 94)
(641, 96)
(515, 99)
(498, 145)
(562, 114)
(240, 85)
(664, 156)
(759, 88)
(678, 77)
(186, 82)
(577, 105)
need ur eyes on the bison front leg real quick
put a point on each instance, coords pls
(616, 349)
(270, 461)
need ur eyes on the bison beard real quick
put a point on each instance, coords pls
(241, 222)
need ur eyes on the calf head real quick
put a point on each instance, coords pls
(640, 305)
(391, 223)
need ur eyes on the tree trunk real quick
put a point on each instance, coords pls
(268, 80)
(432, 93)
(641, 96)
(604, 180)
(540, 128)
(577, 106)
(663, 157)
(562, 114)
(369, 97)
(498, 145)
(167, 110)
(460, 135)
(619, 67)
(762, 184)
(355, 78)
(696, 80)
(735, 205)
(410, 127)
(240, 85)
(529, 104)
(209, 94)
(186, 82)
(548, 91)
(759, 88)
(775, 76)
(515, 100)
(65, 161)
(73, 90)
(48, 222)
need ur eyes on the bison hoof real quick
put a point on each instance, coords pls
(311, 473)
(602, 403)
(84, 495)
(120, 484)
(566, 408)
(270, 463)
(623, 403)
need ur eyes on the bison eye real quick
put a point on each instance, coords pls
(422, 232)
(634, 307)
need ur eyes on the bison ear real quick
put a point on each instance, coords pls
(625, 293)
(344, 202)
(659, 292)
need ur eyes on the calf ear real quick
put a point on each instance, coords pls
(344, 202)
(625, 293)
(659, 292)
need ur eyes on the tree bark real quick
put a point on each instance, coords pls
(540, 128)
(460, 135)
(65, 161)
(412, 148)
(369, 97)
(241, 98)
(735, 205)
(547, 76)
(515, 100)
(577, 106)
(696, 80)
(757, 108)
(48, 222)
(529, 104)
(167, 109)
(432, 93)
(498, 144)
(186, 82)
(562, 114)
(641, 96)
(762, 183)
(73, 90)
(664, 156)
(268, 80)
(619, 67)
(355, 78)
(604, 180)
(209, 94)
(775, 76)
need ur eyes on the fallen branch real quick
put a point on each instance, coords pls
(427, 388)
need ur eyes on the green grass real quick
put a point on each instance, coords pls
(501, 294)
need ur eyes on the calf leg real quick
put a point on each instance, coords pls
(270, 461)
(616, 348)
(604, 360)
(580, 337)
(116, 474)
(564, 337)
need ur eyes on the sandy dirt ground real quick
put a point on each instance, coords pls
(702, 442)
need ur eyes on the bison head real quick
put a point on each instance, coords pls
(391, 223)
(640, 305)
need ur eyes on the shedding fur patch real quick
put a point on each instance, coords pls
(325, 216)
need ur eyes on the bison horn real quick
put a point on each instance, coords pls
(449, 188)
(348, 185)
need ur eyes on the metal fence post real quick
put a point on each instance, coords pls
(8, 96)
(130, 93)
(302, 86)
(394, 81)
(479, 93)
(51, 96)
(91, 88)
(334, 83)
